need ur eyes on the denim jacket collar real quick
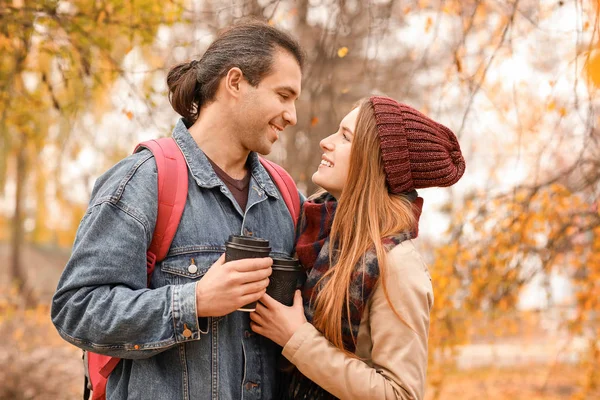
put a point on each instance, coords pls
(202, 170)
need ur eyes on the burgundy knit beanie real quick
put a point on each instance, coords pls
(417, 151)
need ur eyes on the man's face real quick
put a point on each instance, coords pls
(265, 110)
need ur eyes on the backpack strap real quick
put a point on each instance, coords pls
(287, 187)
(172, 195)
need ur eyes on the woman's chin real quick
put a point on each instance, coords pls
(322, 183)
(319, 180)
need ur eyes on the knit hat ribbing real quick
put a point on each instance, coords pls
(417, 151)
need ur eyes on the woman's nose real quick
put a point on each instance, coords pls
(327, 143)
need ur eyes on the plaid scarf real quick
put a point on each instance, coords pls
(313, 250)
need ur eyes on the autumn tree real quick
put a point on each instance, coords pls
(503, 234)
(57, 61)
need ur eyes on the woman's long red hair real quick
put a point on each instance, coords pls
(365, 214)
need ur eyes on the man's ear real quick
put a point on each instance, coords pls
(233, 81)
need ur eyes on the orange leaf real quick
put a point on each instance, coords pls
(593, 69)
(314, 121)
(428, 24)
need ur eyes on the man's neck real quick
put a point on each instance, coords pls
(220, 142)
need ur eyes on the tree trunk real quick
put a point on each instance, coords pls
(17, 238)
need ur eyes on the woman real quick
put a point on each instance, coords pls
(362, 330)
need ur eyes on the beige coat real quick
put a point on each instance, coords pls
(393, 356)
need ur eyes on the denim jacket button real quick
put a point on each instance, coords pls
(187, 333)
(192, 269)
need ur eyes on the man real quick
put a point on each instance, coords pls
(181, 337)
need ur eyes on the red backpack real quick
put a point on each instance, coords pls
(172, 194)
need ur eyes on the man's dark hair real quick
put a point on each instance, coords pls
(250, 46)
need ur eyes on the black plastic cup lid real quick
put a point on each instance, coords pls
(248, 241)
(285, 261)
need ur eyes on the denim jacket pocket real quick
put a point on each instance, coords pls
(185, 267)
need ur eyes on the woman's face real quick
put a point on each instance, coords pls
(335, 162)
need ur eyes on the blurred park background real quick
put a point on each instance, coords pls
(513, 249)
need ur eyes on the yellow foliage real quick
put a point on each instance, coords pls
(477, 277)
(428, 24)
(342, 52)
(592, 68)
(75, 62)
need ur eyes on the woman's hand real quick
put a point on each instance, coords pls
(277, 321)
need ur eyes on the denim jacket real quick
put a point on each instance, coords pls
(102, 303)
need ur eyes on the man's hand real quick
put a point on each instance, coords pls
(229, 286)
